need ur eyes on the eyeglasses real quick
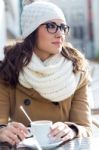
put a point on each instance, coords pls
(52, 27)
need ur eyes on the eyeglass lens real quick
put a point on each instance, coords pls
(52, 27)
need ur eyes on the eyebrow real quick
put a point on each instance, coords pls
(55, 23)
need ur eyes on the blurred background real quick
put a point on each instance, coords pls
(81, 16)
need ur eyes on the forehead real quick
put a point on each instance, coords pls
(57, 21)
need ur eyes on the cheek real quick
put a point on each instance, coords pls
(43, 40)
(63, 38)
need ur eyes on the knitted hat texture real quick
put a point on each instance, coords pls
(36, 13)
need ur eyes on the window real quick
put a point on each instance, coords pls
(78, 32)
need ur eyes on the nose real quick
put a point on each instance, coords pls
(59, 33)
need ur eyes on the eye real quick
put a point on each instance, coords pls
(51, 25)
(63, 27)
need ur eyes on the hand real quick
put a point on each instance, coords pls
(60, 130)
(13, 133)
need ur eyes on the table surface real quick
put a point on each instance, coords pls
(76, 144)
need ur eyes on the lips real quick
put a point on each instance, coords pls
(57, 43)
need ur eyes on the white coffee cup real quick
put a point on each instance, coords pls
(40, 129)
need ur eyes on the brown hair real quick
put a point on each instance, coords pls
(19, 55)
(77, 58)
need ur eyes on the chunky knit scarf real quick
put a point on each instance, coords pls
(53, 78)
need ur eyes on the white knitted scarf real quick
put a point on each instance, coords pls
(53, 78)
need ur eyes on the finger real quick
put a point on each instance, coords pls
(8, 133)
(7, 136)
(20, 126)
(67, 137)
(18, 129)
(14, 138)
(21, 134)
(17, 132)
(62, 133)
(57, 130)
(58, 124)
(9, 140)
(55, 125)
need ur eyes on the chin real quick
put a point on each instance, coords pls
(56, 51)
(59, 50)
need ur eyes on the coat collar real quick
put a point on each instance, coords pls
(31, 93)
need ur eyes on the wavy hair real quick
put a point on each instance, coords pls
(19, 56)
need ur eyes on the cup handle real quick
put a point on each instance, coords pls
(29, 133)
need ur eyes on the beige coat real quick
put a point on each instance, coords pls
(74, 110)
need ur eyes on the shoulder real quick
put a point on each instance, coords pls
(3, 85)
(4, 90)
(75, 55)
(85, 77)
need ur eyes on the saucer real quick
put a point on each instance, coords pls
(51, 145)
(31, 142)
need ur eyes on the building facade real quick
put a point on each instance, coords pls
(81, 15)
(95, 7)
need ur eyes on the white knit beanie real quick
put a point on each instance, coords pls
(36, 13)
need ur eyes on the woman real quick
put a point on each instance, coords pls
(44, 75)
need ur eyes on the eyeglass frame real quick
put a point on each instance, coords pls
(57, 27)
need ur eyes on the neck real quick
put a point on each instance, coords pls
(42, 55)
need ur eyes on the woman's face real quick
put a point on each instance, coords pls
(47, 42)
